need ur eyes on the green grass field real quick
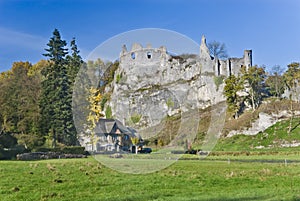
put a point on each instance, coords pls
(235, 170)
(87, 179)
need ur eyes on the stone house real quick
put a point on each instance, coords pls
(112, 135)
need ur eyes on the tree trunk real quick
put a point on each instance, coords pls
(252, 100)
(53, 138)
(292, 115)
(236, 116)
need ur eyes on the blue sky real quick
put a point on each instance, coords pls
(271, 28)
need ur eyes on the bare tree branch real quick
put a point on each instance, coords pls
(217, 50)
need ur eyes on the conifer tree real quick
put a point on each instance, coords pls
(74, 62)
(56, 98)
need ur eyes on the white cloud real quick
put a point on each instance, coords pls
(14, 38)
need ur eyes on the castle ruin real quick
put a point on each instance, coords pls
(145, 56)
(154, 83)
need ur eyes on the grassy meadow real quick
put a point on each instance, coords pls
(87, 179)
(236, 170)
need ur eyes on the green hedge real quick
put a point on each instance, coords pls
(73, 150)
(64, 150)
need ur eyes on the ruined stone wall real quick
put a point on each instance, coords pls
(236, 64)
(222, 67)
(139, 56)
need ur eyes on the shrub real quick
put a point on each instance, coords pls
(108, 112)
(73, 150)
(170, 103)
(118, 78)
(104, 99)
(135, 118)
(219, 80)
(64, 150)
(11, 153)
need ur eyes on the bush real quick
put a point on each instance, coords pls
(64, 150)
(11, 153)
(30, 141)
(118, 78)
(135, 118)
(46, 149)
(219, 80)
(73, 150)
(108, 112)
(7, 140)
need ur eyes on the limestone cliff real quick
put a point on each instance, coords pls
(151, 84)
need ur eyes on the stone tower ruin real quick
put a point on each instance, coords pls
(149, 56)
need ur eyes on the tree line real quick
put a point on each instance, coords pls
(41, 103)
(36, 100)
(253, 84)
(247, 89)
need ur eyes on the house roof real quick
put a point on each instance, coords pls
(110, 126)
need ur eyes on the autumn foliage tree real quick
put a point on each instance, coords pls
(253, 78)
(292, 78)
(275, 81)
(95, 113)
(233, 85)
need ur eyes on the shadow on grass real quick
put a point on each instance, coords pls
(236, 199)
(201, 199)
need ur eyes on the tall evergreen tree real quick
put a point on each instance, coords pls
(74, 62)
(56, 104)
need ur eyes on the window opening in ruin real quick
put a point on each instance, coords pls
(219, 71)
(149, 55)
(133, 55)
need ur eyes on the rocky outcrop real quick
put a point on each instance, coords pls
(263, 122)
(166, 86)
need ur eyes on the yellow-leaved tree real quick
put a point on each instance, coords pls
(95, 114)
(135, 141)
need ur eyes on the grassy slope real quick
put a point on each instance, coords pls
(86, 179)
(271, 139)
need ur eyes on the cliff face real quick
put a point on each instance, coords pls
(150, 85)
